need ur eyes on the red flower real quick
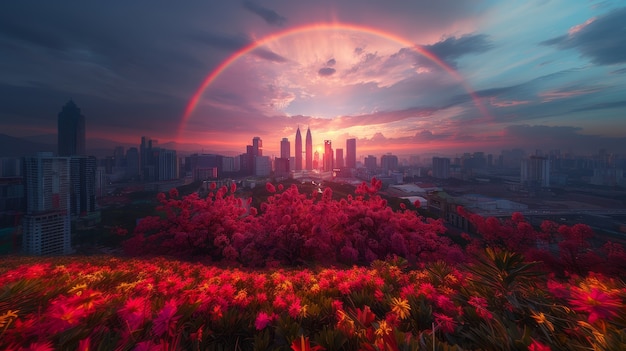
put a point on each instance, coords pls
(303, 344)
(599, 304)
(480, 303)
(262, 320)
(270, 187)
(36, 346)
(445, 323)
(537, 346)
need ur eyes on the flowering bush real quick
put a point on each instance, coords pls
(291, 228)
(497, 302)
(560, 248)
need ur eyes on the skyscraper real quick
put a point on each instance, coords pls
(257, 146)
(298, 150)
(328, 156)
(71, 131)
(285, 148)
(441, 167)
(339, 158)
(535, 171)
(83, 185)
(389, 163)
(351, 153)
(309, 150)
(47, 228)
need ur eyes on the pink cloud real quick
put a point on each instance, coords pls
(551, 95)
(506, 103)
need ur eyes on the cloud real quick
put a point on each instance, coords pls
(331, 62)
(551, 95)
(452, 48)
(235, 43)
(603, 106)
(326, 71)
(602, 39)
(270, 16)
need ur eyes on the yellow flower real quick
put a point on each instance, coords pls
(77, 288)
(542, 319)
(383, 329)
(400, 307)
(304, 311)
(7, 318)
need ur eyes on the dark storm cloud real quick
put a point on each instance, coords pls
(603, 40)
(326, 71)
(270, 16)
(234, 43)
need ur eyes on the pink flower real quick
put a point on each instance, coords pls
(134, 312)
(166, 319)
(599, 304)
(262, 320)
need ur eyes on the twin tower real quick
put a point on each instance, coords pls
(308, 151)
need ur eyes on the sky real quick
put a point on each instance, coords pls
(405, 77)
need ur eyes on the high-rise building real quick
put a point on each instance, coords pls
(166, 164)
(328, 156)
(298, 150)
(441, 167)
(370, 163)
(71, 131)
(132, 162)
(351, 153)
(263, 166)
(389, 163)
(47, 228)
(285, 148)
(339, 159)
(83, 185)
(281, 167)
(309, 150)
(257, 146)
(535, 171)
(147, 161)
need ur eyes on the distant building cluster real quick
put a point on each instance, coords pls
(47, 194)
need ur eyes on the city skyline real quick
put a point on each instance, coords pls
(483, 76)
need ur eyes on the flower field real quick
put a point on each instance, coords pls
(497, 302)
(306, 273)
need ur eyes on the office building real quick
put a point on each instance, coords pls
(535, 171)
(71, 131)
(46, 224)
(351, 153)
(285, 148)
(441, 167)
(328, 156)
(370, 163)
(83, 185)
(339, 159)
(389, 163)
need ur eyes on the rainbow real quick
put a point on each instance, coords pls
(195, 98)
